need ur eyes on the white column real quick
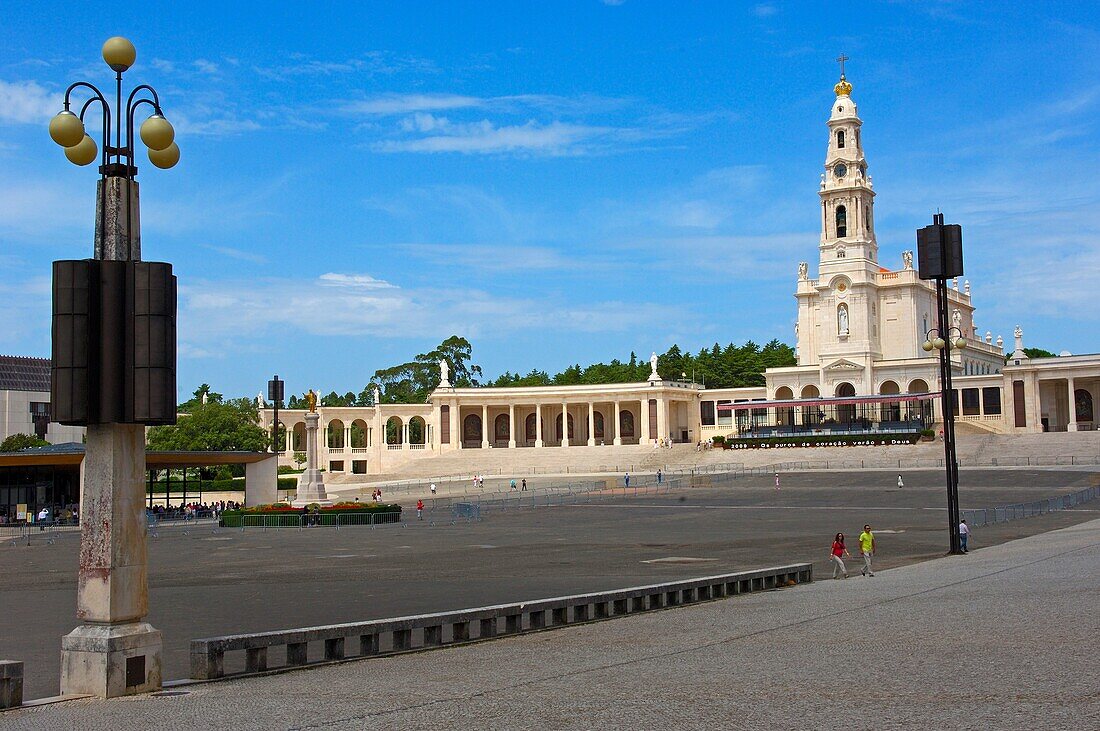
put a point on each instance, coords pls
(662, 419)
(511, 426)
(404, 435)
(643, 417)
(484, 426)
(347, 438)
(1071, 422)
(456, 425)
(1037, 401)
(564, 424)
(615, 421)
(538, 425)
(592, 424)
(289, 437)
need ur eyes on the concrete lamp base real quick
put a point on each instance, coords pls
(111, 660)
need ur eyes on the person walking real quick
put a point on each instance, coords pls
(776, 480)
(512, 485)
(660, 477)
(837, 556)
(867, 549)
(420, 510)
(900, 483)
(432, 488)
(523, 483)
(964, 533)
(626, 479)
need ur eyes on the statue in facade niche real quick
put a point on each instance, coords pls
(803, 270)
(907, 259)
(842, 319)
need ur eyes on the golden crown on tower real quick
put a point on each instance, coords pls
(842, 88)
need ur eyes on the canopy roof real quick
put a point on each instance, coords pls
(829, 401)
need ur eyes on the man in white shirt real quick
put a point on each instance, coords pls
(964, 533)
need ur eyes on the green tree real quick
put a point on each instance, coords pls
(215, 426)
(196, 400)
(410, 383)
(16, 442)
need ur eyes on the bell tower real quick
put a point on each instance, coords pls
(847, 198)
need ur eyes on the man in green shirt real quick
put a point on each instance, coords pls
(867, 549)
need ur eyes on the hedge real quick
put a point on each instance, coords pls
(232, 518)
(822, 440)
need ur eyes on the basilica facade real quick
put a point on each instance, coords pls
(860, 331)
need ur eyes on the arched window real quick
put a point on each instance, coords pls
(842, 319)
(501, 428)
(867, 216)
(597, 425)
(840, 138)
(530, 427)
(418, 430)
(395, 431)
(471, 429)
(626, 424)
(1083, 403)
(841, 222)
(336, 434)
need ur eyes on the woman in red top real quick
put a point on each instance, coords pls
(838, 551)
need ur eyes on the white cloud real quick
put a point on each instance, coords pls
(493, 258)
(361, 281)
(764, 10)
(206, 67)
(407, 103)
(555, 138)
(236, 253)
(27, 102)
(358, 305)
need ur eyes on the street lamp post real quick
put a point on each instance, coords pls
(939, 249)
(275, 395)
(113, 370)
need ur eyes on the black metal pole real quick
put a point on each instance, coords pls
(950, 463)
(275, 429)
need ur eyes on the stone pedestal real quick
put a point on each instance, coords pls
(311, 483)
(111, 660)
(113, 653)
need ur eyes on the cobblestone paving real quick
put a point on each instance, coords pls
(1003, 638)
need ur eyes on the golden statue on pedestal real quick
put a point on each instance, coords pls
(311, 399)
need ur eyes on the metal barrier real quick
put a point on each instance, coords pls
(1019, 511)
(425, 631)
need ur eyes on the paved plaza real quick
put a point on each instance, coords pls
(1003, 638)
(205, 583)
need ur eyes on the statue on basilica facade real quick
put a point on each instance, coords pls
(444, 373)
(907, 259)
(842, 319)
(803, 270)
(653, 375)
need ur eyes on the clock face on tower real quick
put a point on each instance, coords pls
(840, 170)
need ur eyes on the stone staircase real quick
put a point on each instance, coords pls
(974, 448)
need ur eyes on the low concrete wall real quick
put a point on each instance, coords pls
(261, 482)
(388, 636)
(11, 684)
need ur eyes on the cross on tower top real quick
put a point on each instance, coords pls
(841, 59)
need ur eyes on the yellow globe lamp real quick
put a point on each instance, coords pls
(66, 129)
(157, 133)
(82, 153)
(960, 343)
(165, 158)
(927, 346)
(938, 343)
(119, 53)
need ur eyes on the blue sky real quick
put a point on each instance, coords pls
(558, 182)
